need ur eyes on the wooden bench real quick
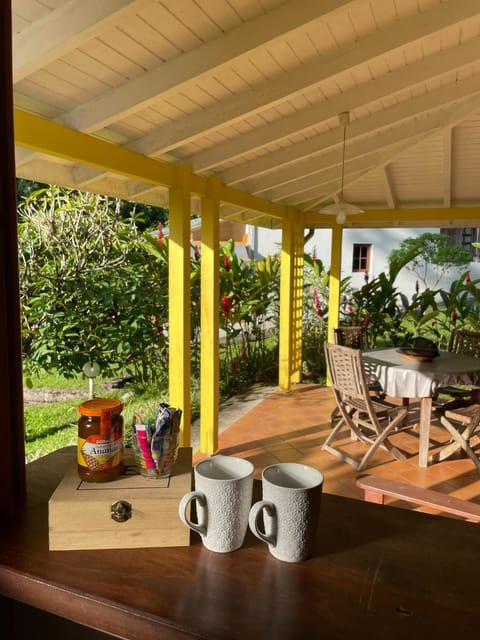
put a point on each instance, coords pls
(377, 488)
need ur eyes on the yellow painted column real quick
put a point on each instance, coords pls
(209, 319)
(179, 328)
(291, 301)
(297, 299)
(335, 281)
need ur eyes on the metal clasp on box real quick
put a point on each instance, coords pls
(121, 511)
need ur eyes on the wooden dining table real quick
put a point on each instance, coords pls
(376, 572)
(403, 377)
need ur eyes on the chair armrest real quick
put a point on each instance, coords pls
(377, 488)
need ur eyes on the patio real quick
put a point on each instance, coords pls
(291, 427)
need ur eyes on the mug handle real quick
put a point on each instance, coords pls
(267, 536)
(201, 526)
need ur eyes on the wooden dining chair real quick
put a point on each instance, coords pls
(370, 422)
(466, 343)
(355, 337)
(463, 424)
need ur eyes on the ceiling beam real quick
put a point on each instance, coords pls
(370, 91)
(64, 29)
(53, 139)
(404, 135)
(304, 77)
(397, 114)
(455, 217)
(447, 166)
(192, 66)
(387, 186)
(300, 177)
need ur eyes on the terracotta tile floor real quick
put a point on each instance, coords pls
(291, 426)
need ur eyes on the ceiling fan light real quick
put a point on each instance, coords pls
(342, 207)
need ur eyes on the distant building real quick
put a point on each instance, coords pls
(366, 251)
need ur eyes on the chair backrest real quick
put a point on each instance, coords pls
(355, 337)
(347, 374)
(465, 342)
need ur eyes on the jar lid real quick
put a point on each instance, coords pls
(97, 405)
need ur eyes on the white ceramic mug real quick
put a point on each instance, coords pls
(223, 497)
(290, 507)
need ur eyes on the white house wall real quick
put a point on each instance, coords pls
(268, 242)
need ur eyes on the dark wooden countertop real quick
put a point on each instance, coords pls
(377, 572)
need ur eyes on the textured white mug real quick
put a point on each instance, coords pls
(290, 507)
(223, 497)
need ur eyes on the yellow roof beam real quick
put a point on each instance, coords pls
(44, 136)
(417, 217)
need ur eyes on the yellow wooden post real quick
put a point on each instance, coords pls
(209, 320)
(335, 281)
(297, 300)
(179, 299)
(291, 301)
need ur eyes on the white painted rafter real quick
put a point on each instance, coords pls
(431, 101)
(310, 75)
(370, 91)
(190, 67)
(294, 179)
(64, 29)
(387, 186)
(447, 167)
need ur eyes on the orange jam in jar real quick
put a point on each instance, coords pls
(100, 440)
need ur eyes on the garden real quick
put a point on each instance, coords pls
(94, 289)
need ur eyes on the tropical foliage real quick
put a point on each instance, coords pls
(94, 287)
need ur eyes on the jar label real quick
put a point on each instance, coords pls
(101, 451)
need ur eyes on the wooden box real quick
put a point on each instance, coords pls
(80, 513)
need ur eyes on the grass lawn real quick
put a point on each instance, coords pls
(52, 425)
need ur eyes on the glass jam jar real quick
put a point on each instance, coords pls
(100, 440)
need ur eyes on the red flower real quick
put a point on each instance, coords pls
(316, 301)
(226, 262)
(226, 306)
(468, 277)
(350, 309)
(366, 321)
(196, 252)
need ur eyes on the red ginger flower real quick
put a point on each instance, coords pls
(318, 306)
(226, 262)
(226, 306)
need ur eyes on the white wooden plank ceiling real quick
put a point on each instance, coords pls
(250, 91)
